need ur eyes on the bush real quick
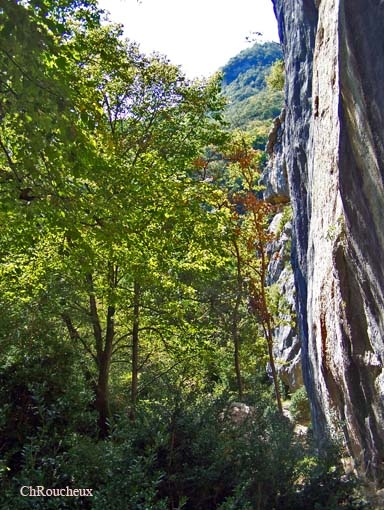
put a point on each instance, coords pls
(322, 484)
(186, 451)
(299, 408)
(275, 78)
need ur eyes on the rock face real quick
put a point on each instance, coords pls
(275, 178)
(334, 153)
(286, 349)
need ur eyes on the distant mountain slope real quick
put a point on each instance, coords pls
(252, 105)
(252, 64)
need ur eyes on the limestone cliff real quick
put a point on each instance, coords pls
(334, 154)
(280, 280)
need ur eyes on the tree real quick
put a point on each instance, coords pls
(250, 217)
(111, 186)
(247, 238)
(40, 105)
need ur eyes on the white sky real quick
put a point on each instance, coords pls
(200, 35)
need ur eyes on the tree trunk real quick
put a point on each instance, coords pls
(103, 359)
(135, 348)
(267, 326)
(239, 379)
(235, 323)
(102, 398)
(273, 369)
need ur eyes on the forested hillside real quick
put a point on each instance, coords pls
(136, 325)
(252, 101)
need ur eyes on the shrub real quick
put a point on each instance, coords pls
(184, 451)
(299, 408)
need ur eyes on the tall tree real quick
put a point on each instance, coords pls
(251, 215)
(236, 171)
(107, 178)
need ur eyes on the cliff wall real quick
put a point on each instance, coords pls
(274, 180)
(334, 155)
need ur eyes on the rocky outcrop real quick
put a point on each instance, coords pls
(274, 179)
(334, 153)
(280, 280)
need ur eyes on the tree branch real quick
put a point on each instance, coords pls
(75, 335)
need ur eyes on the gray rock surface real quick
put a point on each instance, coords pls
(334, 153)
(287, 349)
(275, 178)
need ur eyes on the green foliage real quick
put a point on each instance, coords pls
(251, 103)
(122, 474)
(299, 407)
(109, 189)
(190, 451)
(40, 105)
(45, 405)
(264, 106)
(286, 217)
(255, 60)
(323, 484)
(275, 77)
